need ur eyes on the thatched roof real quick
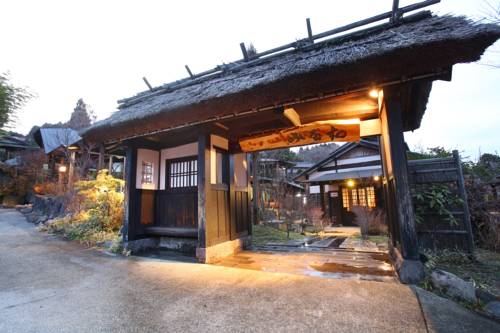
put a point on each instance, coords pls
(421, 44)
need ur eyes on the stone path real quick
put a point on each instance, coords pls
(51, 285)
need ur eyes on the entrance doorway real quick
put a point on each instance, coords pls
(178, 203)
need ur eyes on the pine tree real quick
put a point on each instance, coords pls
(81, 117)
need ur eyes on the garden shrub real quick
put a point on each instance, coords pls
(96, 210)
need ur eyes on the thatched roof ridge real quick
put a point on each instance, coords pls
(419, 30)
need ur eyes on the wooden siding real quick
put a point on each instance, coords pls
(147, 207)
(433, 232)
(177, 209)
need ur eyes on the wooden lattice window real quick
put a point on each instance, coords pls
(345, 199)
(363, 196)
(147, 172)
(183, 173)
(370, 195)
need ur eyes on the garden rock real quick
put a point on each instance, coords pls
(26, 210)
(453, 286)
(485, 296)
(493, 309)
(41, 219)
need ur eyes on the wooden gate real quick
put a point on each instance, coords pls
(177, 205)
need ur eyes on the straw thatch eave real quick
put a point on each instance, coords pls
(423, 45)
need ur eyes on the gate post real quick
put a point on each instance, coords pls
(203, 187)
(405, 250)
(131, 197)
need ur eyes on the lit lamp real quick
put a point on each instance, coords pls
(62, 168)
(373, 93)
(376, 178)
(350, 183)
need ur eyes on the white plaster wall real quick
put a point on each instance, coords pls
(219, 142)
(147, 155)
(240, 170)
(190, 149)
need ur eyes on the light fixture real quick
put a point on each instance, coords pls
(376, 178)
(298, 195)
(62, 168)
(373, 93)
(350, 183)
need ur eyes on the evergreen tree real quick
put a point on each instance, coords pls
(81, 117)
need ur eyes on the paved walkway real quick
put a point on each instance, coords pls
(50, 285)
(326, 263)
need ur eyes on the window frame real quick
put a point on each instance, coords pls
(147, 177)
(168, 173)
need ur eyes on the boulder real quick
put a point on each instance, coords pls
(485, 296)
(41, 219)
(493, 309)
(453, 286)
(26, 209)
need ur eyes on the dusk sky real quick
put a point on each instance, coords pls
(100, 50)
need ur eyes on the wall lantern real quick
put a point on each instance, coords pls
(374, 93)
(62, 168)
(350, 183)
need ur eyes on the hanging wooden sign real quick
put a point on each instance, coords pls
(317, 132)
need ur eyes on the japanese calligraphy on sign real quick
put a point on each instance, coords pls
(317, 132)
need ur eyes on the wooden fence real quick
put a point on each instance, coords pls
(434, 232)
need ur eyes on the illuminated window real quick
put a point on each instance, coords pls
(345, 199)
(147, 172)
(370, 195)
(183, 173)
(363, 196)
(354, 197)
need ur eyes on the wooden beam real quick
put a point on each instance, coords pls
(131, 200)
(255, 188)
(370, 127)
(203, 188)
(396, 173)
(174, 232)
(293, 116)
(463, 195)
(309, 30)
(100, 163)
(147, 83)
(244, 51)
(189, 71)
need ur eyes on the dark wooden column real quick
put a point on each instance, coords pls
(396, 172)
(131, 200)
(203, 188)
(255, 188)
(100, 162)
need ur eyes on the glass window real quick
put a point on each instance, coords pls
(147, 172)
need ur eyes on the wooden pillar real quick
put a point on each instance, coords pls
(110, 164)
(203, 187)
(71, 171)
(322, 197)
(463, 196)
(394, 154)
(100, 162)
(255, 188)
(131, 198)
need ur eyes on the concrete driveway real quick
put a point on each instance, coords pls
(50, 285)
